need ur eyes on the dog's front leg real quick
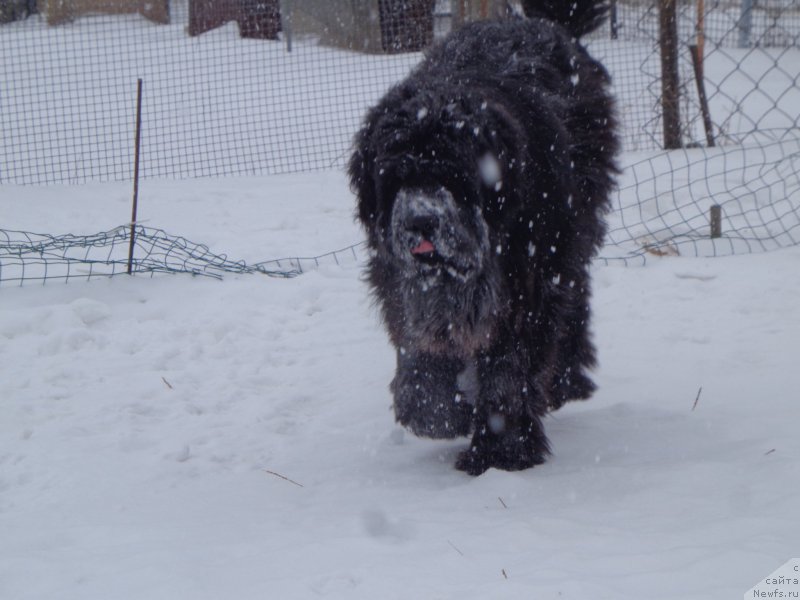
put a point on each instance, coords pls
(427, 398)
(508, 430)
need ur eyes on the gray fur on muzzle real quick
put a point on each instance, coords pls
(433, 235)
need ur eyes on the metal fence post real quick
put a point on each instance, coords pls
(286, 22)
(137, 136)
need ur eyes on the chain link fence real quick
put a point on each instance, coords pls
(748, 68)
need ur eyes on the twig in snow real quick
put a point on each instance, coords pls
(769, 452)
(503, 571)
(453, 546)
(167, 383)
(501, 502)
(282, 477)
(697, 398)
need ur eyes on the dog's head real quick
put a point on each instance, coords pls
(433, 173)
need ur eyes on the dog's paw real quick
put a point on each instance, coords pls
(513, 450)
(475, 461)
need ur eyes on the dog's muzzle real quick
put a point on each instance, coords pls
(433, 235)
(417, 219)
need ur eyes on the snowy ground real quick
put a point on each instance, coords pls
(147, 426)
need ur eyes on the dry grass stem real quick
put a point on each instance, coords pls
(453, 546)
(282, 477)
(697, 398)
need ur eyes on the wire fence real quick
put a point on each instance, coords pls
(755, 185)
(274, 86)
(748, 70)
(27, 257)
(665, 200)
(216, 103)
(266, 87)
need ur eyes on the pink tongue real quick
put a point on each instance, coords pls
(424, 247)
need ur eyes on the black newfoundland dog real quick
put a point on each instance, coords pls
(482, 181)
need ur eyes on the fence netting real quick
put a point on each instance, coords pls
(226, 101)
(665, 201)
(239, 87)
(750, 65)
(27, 257)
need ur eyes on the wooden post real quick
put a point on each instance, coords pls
(697, 61)
(137, 137)
(701, 32)
(715, 220)
(670, 80)
(459, 13)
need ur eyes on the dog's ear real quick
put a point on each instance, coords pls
(361, 170)
(502, 143)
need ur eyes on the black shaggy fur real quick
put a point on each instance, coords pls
(482, 183)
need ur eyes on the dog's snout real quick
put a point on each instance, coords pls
(424, 224)
(424, 221)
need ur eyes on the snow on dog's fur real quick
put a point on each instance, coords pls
(482, 183)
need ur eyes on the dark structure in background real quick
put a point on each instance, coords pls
(16, 10)
(260, 19)
(64, 11)
(375, 26)
(406, 25)
(372, 26)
